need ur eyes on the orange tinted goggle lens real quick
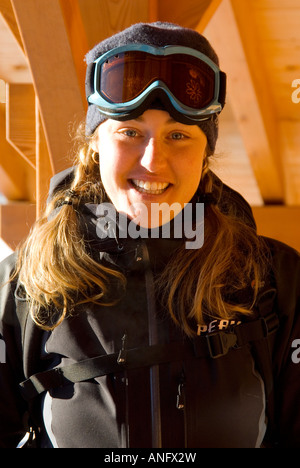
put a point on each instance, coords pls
(125, 76)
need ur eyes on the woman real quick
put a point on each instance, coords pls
(123, 327)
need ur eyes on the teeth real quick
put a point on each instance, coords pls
(151, 187)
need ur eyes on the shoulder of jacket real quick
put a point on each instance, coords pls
(7, 286)
(10, 312)
(285, 259)
(7, 267)
(279, 246)
(285, 266)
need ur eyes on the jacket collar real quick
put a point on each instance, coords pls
(106, 233)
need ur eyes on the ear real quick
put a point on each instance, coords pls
(205, 164)
(94, 143)
(95, 157)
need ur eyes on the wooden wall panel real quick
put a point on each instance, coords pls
(231, 34)
(20, 120)
(187, 13)
(101, 18)
(16, 220)
(17, 177)
(290, 153)
(279, 222)
(54, 73)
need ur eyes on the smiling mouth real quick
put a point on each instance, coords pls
(152, 188)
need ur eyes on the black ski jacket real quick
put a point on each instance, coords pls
(127, 377)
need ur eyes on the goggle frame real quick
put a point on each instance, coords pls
(117, 110)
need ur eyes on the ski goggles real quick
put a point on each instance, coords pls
(128, 78)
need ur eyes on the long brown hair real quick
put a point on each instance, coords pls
(58, 273)
(222, 279)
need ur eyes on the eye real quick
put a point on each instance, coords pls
(178, 136)
(131, 133)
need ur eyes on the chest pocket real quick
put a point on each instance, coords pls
(224, 402)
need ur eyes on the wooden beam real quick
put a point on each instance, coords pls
(279, 222)
(207, 15)
(77, 38)
(2, 92)
(9, 17)
(54, 73)
(16, 220)
(13, 63)
(232, 33)
(20, 120)
(44, 170)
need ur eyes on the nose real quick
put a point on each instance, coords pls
(154, 156)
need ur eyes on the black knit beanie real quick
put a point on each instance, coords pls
(159, 35)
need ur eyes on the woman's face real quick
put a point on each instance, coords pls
(149, 160)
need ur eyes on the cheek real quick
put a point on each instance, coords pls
(107, 175)
(113, 175)
(190, 173)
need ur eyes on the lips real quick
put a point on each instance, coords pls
(152, 188)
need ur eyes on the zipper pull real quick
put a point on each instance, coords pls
(180, 394)
(123, 352)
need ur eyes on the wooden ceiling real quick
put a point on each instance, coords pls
(42, 47)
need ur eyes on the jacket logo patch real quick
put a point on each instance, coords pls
(216, 325)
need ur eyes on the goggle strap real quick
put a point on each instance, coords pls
(89, 83)
(222, 91)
